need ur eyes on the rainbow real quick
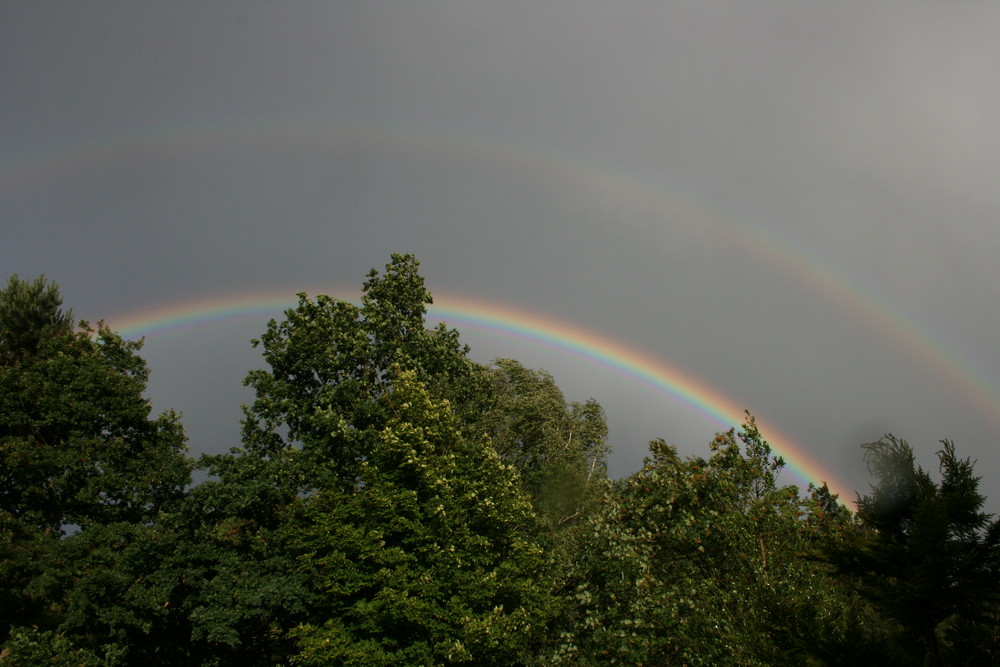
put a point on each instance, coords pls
(31, 169)
(559, 336)
(39, 168)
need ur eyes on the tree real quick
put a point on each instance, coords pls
(701, 562)
(30, 313)
(80, 458)
(330, 362)
(430, 560)
(366, 486)
(931, 559)
(77, 443)
(558, 449)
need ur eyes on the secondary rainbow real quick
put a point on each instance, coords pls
(560, 336)
(37, 168)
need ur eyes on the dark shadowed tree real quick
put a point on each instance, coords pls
(77, 442)
(30, 311)
(84, 469)
(931, 560)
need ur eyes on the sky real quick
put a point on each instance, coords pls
(680, 209)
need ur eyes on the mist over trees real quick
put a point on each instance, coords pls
(392, 502)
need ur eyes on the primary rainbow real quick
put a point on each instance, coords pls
(560, 336)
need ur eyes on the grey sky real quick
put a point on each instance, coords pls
(795, 203)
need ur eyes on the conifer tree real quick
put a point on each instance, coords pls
(29, 313)
(930, 560)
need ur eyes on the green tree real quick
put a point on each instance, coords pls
(702, 562)
(77, 442)
(366, 501)
(558, 449)
(82, 462)
(30, 312)
(824, 621)
(329, 362)
(931, 559)
(430, 559)
(237, 586)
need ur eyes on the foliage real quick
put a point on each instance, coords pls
(365, 466)
(931, 559)
(31, 647)
(430, 560)
(77, 444)
(699, 562)
(394, 502)
(85, 473)
(559, 450)
(30, 313)
(330, 364)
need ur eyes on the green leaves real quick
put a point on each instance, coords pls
(428, 559)
(29, 314)
(559, 450)
(331, 362)
(695, 561)
(395, 503)
(76, 441)
(414, 535)
(79, 456)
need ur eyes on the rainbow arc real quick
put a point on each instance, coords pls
(562, 337)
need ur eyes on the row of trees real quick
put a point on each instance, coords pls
(393, 502)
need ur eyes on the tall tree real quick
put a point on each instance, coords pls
(558, 449)
(430, 559)
(365, 500)
(329, 361)
(82, 462)
(931, 559)
(77, 443)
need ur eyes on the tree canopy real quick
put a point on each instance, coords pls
(30, 312)
(393, 502)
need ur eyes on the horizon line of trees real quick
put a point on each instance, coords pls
(392, 502)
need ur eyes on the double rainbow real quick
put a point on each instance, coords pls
(38, 169)
(41, 168)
